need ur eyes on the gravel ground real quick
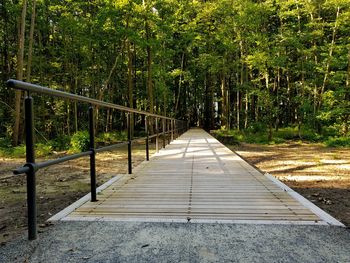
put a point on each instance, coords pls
(180, 242)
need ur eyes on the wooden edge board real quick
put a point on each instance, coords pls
(315, 209)
(65, 212)
(195, 221)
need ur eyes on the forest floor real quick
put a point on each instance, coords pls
(320, 174)
(57, 186)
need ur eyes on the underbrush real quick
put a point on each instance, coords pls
(255, 135)
(78, 142)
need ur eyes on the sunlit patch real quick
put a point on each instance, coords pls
(303, 178)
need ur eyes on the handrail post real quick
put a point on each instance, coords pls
(163, 132)
(92, 155)
(147, 138)
(168, 130)
(157, 137)
(177, 128)
(30, 158)
(172, 129)
(129, 143)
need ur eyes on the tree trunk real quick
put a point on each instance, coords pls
(31, 40)
(180, 82)
(224, 120)
(19, 75)
(75, 106)
(246, 111)
(347, 98)
(330, 55)
(238, 109)
(130, 83)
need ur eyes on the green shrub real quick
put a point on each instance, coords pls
(5, 142)
(310, 135)
(259, 138)
(42, 149)
(112, 137)
(226, 137)
(288, 133)
(61, 143)
(331, 131)
(338, 142)
(256, 127)
(18, 151)
(80, 141)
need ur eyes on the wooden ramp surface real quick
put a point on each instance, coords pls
(198, 179)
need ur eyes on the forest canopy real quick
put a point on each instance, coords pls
(230, 64)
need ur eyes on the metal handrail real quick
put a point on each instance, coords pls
(31, 167)
(57, 93)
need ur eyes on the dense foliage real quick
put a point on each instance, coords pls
(239, 64)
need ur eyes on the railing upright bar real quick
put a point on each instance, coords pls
(92, 155)
(176, 128)
(30, 158)
(168, 130)
(157, 137)
(163, 132)
(147, 138)
(129, 143)
(172, 129)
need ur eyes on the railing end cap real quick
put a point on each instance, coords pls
(10, 83)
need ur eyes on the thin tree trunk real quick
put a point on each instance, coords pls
(20, 58)
(224, 120)
(180, 82)
(330, 55)
(347, 97)
(238, 109)
(75, 105)
(31, 40)
(246, 111)
(130, 83)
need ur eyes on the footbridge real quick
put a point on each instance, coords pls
(197, 179)
(193, 179)
(194, 200)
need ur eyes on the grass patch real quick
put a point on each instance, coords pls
(338, 142)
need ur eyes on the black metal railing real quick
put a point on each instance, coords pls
(31, 167)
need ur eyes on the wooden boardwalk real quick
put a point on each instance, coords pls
(198, 179)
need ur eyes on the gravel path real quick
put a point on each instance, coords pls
(181, 242)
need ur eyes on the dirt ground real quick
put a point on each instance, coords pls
(321, 174)
(57, 186)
